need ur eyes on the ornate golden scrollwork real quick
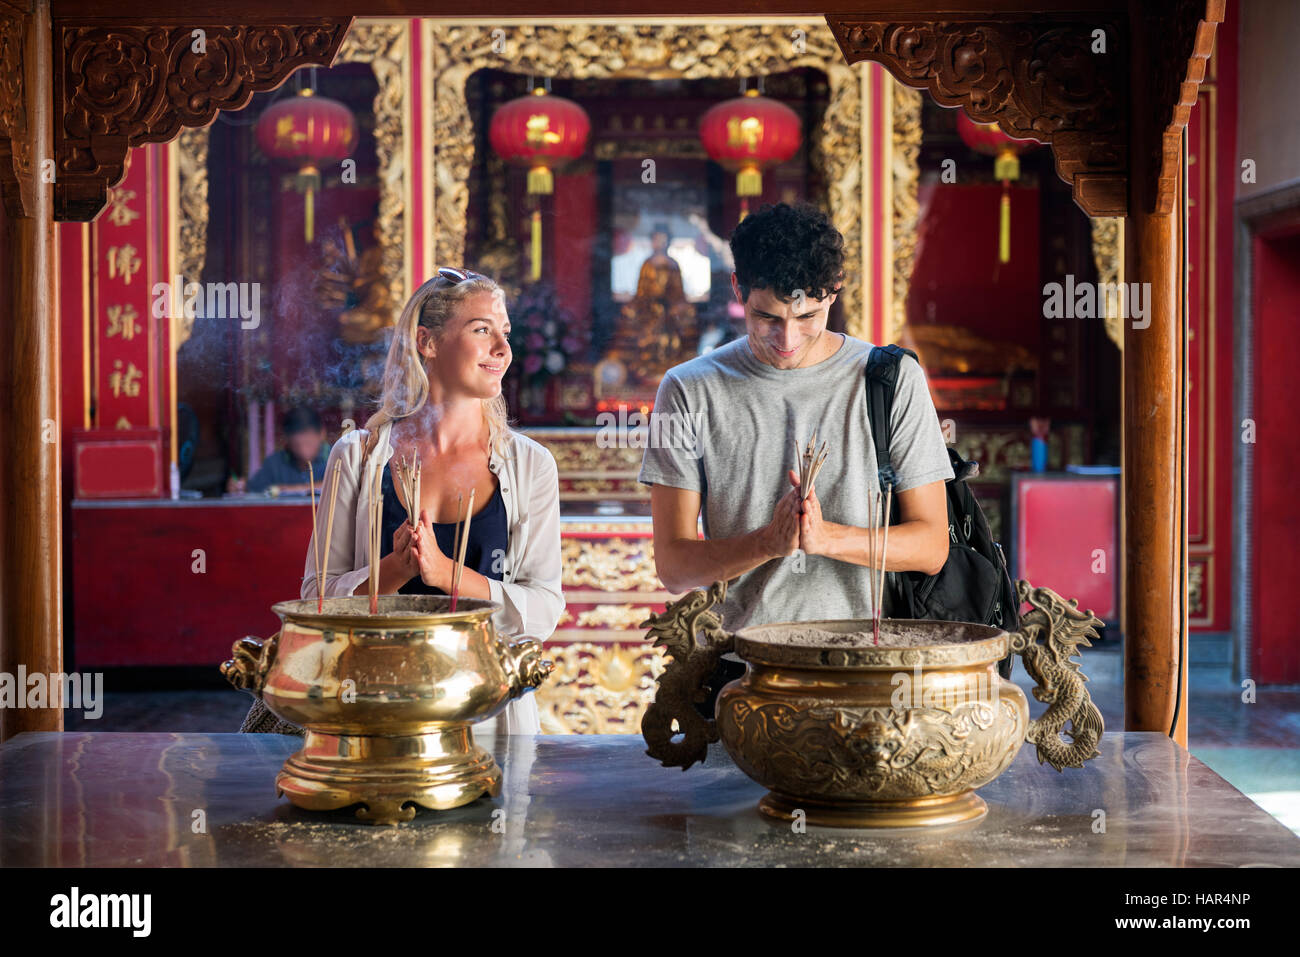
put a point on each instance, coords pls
(16, 179)
(1108, 253)
(690, 51)
(384, 45)
(598, 688)
(613, 616)
(610, 564)
(191, 155)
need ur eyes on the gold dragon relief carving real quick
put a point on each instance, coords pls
(598, 688)
(886, 753)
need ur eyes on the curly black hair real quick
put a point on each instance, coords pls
(784, 248)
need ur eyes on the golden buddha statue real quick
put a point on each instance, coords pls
(656, 330)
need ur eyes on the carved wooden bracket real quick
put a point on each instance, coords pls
(15, 144)
(1184, 30)
(117, 86)
(1036, 79)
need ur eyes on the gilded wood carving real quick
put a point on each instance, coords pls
(16, 179)
(690, 51)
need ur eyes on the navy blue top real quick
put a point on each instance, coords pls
(489, 534)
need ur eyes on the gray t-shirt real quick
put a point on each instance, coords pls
(746, 417)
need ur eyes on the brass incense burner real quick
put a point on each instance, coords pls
(853, 734)
(387, 700)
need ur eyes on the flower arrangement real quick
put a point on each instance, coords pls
(541, 335)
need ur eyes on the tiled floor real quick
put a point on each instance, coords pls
(1255, 746)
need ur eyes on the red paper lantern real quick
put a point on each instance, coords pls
(307, 130)
(988, 138)
(748, 133)
(541, 131)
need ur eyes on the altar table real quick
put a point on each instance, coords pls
(103, 799)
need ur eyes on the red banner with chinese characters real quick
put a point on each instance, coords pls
(124, 338)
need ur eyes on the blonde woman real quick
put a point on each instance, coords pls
(442, 403)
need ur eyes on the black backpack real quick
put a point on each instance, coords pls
(974, 584)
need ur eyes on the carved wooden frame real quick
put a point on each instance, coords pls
(1036, 80)
(117, 86)
(691, 48)
(1039, 78)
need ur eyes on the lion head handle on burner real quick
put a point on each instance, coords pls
(691, 632)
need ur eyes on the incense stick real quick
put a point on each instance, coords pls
(329, 530)
(884, 555)
(871, 556)
(376, 532)
(460, 559)
(455, 541)
(315, 538)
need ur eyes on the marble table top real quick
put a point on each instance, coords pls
(101, 799)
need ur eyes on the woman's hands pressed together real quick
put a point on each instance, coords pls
(433, 567)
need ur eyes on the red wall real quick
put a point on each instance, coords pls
(957, 268)
(137, 599)
(1277, 459)
(1211, 433)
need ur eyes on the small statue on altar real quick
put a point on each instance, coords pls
(355, 285)
(656, 330)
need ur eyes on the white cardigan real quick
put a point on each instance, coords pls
(530, 593)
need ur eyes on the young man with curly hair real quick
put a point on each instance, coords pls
(750, 402)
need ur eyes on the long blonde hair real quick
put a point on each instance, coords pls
(405, 383)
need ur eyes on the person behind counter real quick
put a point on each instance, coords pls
(285, 471)
(754, 399)
(442, 402)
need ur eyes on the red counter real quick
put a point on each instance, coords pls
(161, 582)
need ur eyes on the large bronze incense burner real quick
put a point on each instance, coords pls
(854, 734)
(387, 700)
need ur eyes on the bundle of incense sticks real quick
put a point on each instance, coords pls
(460, 544)
(376, 537)
(408, 474)
(322, 569)
(810, 462)
(878, 515)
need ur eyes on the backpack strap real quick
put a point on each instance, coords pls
(882, 380)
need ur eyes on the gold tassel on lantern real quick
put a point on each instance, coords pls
(1004, 226)
(309, 182)
(537, 246)
(540, 181)
(749, 182)
(1006, 167)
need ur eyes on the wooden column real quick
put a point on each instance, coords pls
(31, 632)
(1155, 567)
(1155, 379)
